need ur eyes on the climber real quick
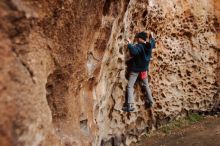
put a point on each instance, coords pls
(138, 67)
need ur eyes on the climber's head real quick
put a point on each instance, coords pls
(141, 37)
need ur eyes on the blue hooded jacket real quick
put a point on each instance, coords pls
(141, 54)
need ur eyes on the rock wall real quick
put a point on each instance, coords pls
(62, 68)
(217, 27)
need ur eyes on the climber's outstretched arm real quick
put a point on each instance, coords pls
(134, 49)
(152, 40)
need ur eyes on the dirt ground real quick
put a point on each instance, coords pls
(203, 133)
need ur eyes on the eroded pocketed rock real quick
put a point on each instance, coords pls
(62, 68)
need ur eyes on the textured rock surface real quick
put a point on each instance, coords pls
(62, 68)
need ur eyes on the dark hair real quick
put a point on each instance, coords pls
(142, 35)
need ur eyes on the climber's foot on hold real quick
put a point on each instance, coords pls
(128, 108)
(149, 104)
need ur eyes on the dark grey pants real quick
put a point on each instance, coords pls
(130, 88)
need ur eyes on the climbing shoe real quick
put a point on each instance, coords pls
(148, 104)
(128, 108)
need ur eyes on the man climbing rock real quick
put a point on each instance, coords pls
(138, 66)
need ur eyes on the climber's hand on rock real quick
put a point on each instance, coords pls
(152, 35)
(128, 41)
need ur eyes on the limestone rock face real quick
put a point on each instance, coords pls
(62, 68)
